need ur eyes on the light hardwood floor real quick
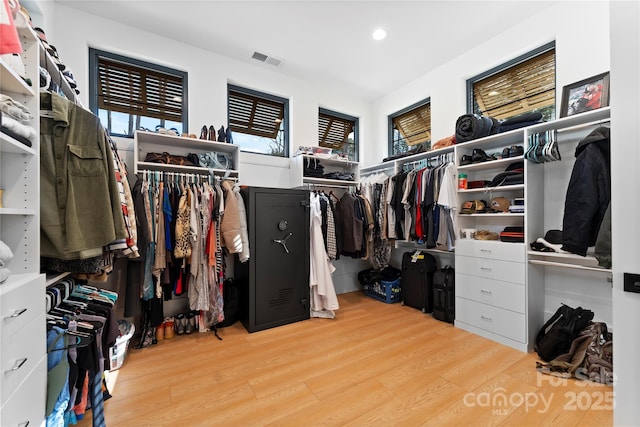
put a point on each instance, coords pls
(374, 364)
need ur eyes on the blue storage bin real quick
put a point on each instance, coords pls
(384, 291)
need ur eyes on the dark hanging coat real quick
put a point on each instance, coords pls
(588, 194)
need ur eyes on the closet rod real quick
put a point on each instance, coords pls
(377, 168)
(583, 125)
(344, 187)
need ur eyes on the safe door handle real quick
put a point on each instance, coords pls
(283, 242)
(16, 313)
(17, 366)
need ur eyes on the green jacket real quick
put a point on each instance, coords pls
(80, 210)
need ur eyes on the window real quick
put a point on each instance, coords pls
(129, 94)
(525, 84)
(410, 127)
(338, 132)
(258, 121)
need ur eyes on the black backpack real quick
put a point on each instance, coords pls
(556, 336)
(230, 296)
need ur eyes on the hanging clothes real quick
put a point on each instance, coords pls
(323, 295)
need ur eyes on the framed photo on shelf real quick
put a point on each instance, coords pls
(585, 95)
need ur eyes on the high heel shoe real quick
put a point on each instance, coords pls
(212, 133)
(204, 133)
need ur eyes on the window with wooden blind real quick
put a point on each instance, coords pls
(410, 127)
(339, 132)
(525, 84)
(258, 121)
(129, 94)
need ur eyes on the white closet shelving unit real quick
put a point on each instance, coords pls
(565, 278)
(23, 361)
(297, 178)
(153, 142)
(504, 291)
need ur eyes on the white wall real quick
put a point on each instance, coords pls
(580, 54)
(73, 32)
(625, 183)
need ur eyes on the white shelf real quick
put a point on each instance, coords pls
(179, 143)
(153, 142)
(324, 181)
(10, 81)
(11, 145)
(13, 211)
(422, 247)
(574, 266)
(297, 179)
(53, 278)
(494, 215)
(493, 189)
(491, 164)
(330, 162)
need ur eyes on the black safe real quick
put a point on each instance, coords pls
(274, 282)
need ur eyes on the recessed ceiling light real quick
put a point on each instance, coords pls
(379, 34)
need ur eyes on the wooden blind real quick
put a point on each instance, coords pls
(524, 87)
(333, 132)
(415, 125)
(253, 115)
(129, 89)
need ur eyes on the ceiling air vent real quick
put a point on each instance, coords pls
(276, 62)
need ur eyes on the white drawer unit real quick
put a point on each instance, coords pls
(491, 249)
(23, 337)
(506, 271)
(27, 405)
(510, 296)
(18, 305)
(505, 323)
(18, 359)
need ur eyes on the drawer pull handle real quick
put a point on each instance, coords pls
(486, 292)
(18, 365)
(488, 319)
(24, 424)
(16, 313)
(486, 250)
(486, 269)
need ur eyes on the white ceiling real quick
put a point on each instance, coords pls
(326, 41)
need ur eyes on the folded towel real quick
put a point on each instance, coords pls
(14, 109)
(18, 128)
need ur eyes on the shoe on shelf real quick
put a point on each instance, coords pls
(212, 133)
(479, 155)
(204, 133)
(168, 327)
(222, 136)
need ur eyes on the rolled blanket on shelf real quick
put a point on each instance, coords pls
(474, 126)
(520, 121)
